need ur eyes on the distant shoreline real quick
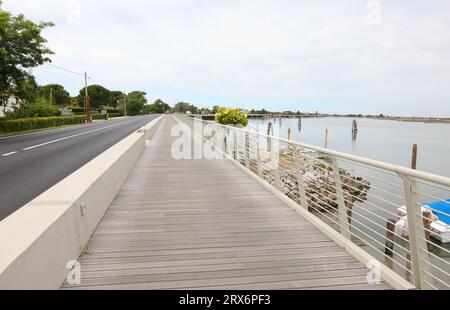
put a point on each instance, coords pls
(414, 120)
(426, 120)
(421, 120)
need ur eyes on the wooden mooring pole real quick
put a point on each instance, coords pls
(389, 244)
(269, 140)
(414, 157)
(390, 224)
(326, 138)
(354, 129)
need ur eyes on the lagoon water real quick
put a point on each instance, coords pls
(384, 140)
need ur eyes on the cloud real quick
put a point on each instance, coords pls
(281, 55)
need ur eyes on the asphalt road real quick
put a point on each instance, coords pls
(32, 163)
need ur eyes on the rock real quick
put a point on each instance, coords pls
(317, 175)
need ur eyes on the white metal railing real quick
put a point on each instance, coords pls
(377, 205)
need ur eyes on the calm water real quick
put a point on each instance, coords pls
(384, 140)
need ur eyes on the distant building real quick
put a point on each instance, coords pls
(11, 103)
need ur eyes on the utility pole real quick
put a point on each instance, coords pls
(87, 107)
(51, 95)
(124, 104)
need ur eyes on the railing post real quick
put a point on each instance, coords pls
(417, 237)
(300, 181)
(342, 210)
(219, 142)
(275, 165)
(224, 140)
(235, 144)
(258, 159)
(229, 142)
(214, 136)
(247, 150)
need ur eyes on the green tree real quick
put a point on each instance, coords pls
(59, 95)
(183, 107)
(27, 90)
(73, 102)
(230, 116)
(135, 102)
(215, 109)
(116, 98)
(262, 111)
(159, 107)
(21, 48)
(98, 95)
(147, 109)
(205, 111)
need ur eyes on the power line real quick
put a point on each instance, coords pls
(64, 69)
(72, 72)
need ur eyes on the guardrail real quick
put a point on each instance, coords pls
(393, 213)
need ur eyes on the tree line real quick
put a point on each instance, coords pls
(22, 48)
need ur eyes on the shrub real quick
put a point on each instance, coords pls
(22, 124)
(227, 116)
(41, 108)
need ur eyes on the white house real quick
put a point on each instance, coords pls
(11, 103)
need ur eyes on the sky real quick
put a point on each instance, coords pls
(349, 56)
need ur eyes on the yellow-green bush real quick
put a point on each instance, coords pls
(230, 116)
(23, 124)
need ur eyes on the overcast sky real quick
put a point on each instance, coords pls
(328, 56)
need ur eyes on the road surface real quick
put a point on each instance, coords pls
(32, 163)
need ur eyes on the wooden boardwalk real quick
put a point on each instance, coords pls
(202, 224)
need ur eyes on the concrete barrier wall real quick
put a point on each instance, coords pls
(151, 127)
(39, 239)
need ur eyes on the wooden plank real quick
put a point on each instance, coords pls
(219, 242)
(242, 283)
(102, 238)
(180, 280)
(310, 263)
(240, 269)
(189, 256)
(194, 245)
(141, 262)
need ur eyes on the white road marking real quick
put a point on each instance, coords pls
(49, 129)
(69, 137)
(9, 154)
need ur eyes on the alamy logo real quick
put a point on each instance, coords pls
(223, 141)
(74, 275)
(374, 12)
(73, 16)
(374, 275)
